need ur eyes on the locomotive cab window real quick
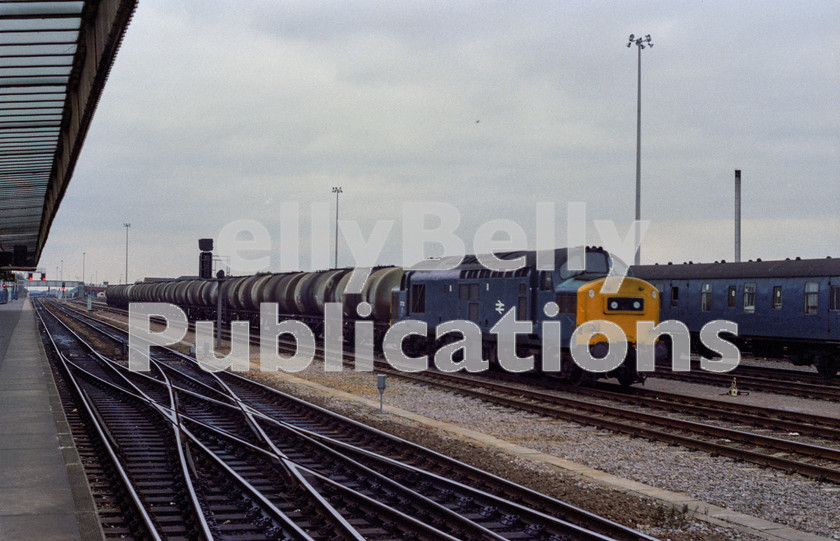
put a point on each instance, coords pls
(567, 302)
(418, 298)
(777, 297)
(545, 281)
(706, 298)
(749, 298)
(812, 297)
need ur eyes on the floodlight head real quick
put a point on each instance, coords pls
(632, 37)
(647, 37)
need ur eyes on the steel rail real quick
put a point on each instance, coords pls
(137, 503)
(168, 416)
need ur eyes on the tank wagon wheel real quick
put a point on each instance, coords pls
(827, 365)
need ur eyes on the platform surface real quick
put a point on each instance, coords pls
(43, 492)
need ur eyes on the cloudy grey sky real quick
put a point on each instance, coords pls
(221, 111)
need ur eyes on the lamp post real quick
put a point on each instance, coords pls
(336, 190)
(126, 225)
(640, 43)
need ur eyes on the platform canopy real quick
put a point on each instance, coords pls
(54, 59)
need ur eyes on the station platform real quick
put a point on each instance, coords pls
(44, 493)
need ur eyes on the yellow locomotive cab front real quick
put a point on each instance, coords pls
(608, 319)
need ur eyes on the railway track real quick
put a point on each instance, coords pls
(653, 419)
(220, 456)
(771, 380)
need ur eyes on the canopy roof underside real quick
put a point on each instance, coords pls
(54, 60)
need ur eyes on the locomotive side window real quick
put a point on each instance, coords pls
(834, 298)
(777, 297)
(749, 298)
(468, 292)
(675, 295)
(521, 314)
(418, 298)
(812, 293)
(706, 298)
(732, 297)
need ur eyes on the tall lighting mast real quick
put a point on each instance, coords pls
(126, 225)
(336, 190)
(640, 43)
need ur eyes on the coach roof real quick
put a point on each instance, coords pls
(787, 268)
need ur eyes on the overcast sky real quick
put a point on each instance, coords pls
(221, 111)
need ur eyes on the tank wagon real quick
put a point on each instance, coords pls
(788, 308)
(469, 291)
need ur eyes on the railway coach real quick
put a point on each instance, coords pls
(788, 308)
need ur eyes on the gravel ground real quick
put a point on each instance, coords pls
(792, 500)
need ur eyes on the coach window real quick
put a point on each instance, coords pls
(675, 295)
(732, 297)
(418, 298)
(777, 297)
(834, 298)
(706, 298)
(812, 293)
(749, 298)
